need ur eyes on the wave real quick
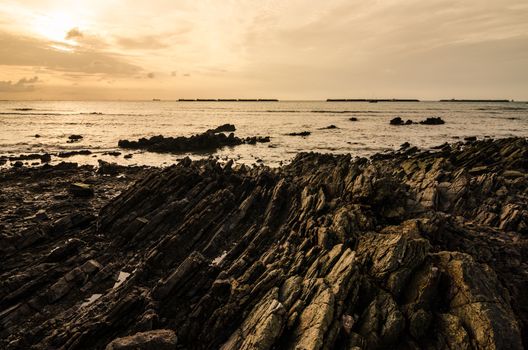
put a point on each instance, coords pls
(71, 114)
(318, 111)
(502, 108)
(19, 113)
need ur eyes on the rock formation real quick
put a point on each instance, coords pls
(427, 121)
(412, 250)
(210, 140)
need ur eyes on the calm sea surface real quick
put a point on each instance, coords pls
(102, 124)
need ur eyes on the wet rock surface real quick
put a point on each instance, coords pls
(210, 140)
(410, 250)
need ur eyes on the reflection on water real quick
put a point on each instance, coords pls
(102, 124)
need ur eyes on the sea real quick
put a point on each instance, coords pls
(102, 124)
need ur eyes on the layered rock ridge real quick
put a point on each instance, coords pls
(416, 250)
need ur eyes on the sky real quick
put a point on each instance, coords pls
(287, 49)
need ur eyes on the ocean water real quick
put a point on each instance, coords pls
(103, 124)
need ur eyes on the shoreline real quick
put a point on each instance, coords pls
(325, 248)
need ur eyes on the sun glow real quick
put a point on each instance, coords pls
(55, 26)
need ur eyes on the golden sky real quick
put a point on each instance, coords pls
(288, 49)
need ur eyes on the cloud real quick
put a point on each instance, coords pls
(26, 51)
(23, 85)
(74, 33)
(141, 43)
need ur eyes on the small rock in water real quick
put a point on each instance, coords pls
(396, 121)
(113, 153)
(330, 127)
(433, 121)
(75, 137)
(302, 133)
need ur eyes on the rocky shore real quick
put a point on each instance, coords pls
(408, 250)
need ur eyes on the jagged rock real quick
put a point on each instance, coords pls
(223, 128)
(409, 250)
(159, 339)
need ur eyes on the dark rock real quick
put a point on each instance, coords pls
(433, 121)
(223, 128)
(113, 153)
(106, 168)
(397, 121)
(41, 215)
(470, 138)
(81, 190)
(45, 158)
(17, 164)
(302, 133)
(329, 127)
(75, 137)
(37, 136)
(208, 141)
(353, 119)
(128, 156)
(67, 154)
